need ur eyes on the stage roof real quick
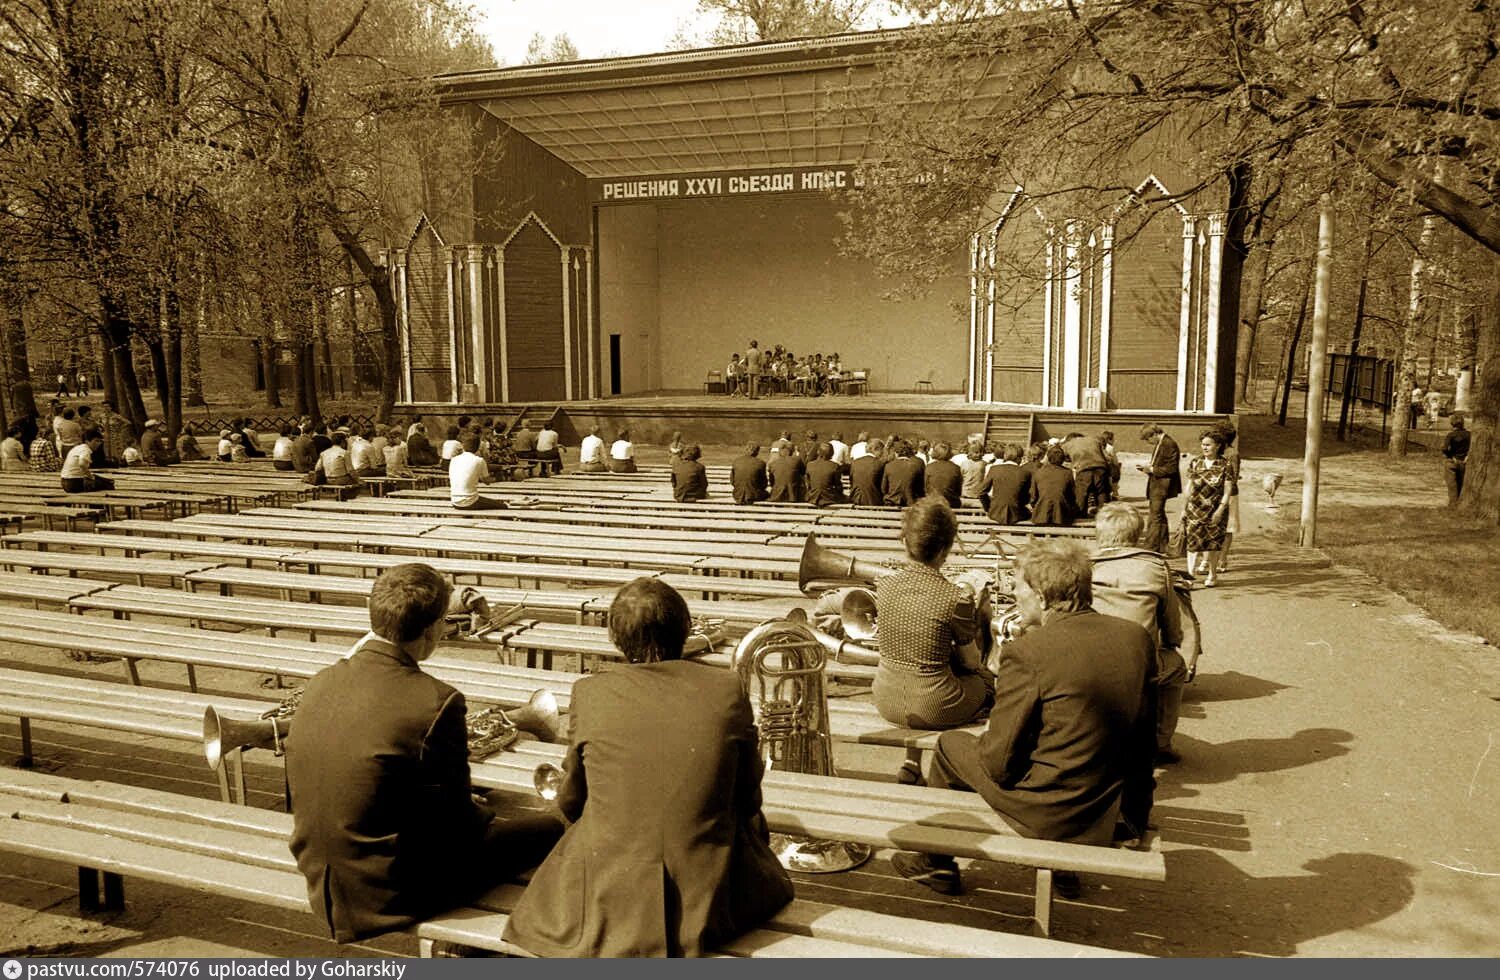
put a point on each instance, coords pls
(773, 104)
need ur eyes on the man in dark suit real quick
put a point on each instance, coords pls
(865, 476)
(788, 473)
(942, 477)
(1006, 494)
(1068, 752)
(747, 477)
(902, 483)
(689, 478)
(668, 852)
(825, 483)
(384, 826)
(1163, 482)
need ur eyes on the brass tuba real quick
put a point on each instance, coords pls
(780, 663)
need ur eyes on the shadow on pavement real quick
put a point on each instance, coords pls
(1206, 763)
(1231, 685)
(1238, 914)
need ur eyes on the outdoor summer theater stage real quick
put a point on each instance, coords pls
(644, 217)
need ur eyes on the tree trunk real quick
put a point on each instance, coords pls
(1252, 308)
(351, 316)
(1468, 341)
(192, 330)
(1291, 347)
(172, 408)
(1481, 495)
(1231, 274)
(107, 375)
(268, 361)
(159, 370)
(22, 398)
(1350, 374)
(1411, 336)
(118, 331)
(380, 278)
(307, 357)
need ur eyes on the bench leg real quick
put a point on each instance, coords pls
(131, 674)
(192, 679)
(114, 892)
(1042, 905)
(239, 775)
(25, 761)
(88, 889)
(223, 776)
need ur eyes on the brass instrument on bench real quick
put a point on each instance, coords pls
(780, 663)
(820, 564)
(490, 730)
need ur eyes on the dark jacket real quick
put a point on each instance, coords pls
(667, 853)
(689, 480)
(1007, 493)
(865, 475)
(787, 478)
(902, 483)
(1165, 475)
(1052, 495)
(419, 451)
(825, 483)
(1071, 740)
(304, 453)
(378, 771)
(943, 478)
(747, 479)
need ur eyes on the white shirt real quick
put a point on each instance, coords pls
(451, 448)
(76, 466)
(592, 450)
(283, 448)
(225, 447)
(546, 440)
(858, 450)
(622, 449)
(840, 452)
(363, 455)
(335, 463)
(465, 473)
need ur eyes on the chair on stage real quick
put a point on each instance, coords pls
(715, 384)
(923, 384)
(858, 382)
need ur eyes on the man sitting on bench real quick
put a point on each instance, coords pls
(1068, 752)
(668, 853)
(77, 469)
(384, 824)
(466, 472)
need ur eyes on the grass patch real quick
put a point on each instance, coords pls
(1444, 562)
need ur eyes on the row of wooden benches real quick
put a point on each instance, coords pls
(240, 853)
(876, 813)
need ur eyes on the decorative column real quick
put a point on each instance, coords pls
(403, 320)
(476, 326)
(1106, 306)
(500, 327)
(1047, 316)
(972, 389)
(588, 314)
(989, 317)
(1184, 323)
(1072, 318)
(567, 284)
(1215, 275)
(453, 374)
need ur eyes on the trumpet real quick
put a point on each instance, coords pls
(547, 780)
(820, 564)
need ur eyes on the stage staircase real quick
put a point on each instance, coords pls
(1003, 427)
(536, 415)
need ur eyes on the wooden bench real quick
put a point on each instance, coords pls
(51, 514)
(241, 853)
(879, 814)
(72, 563)
(56, 589)
(135, 545)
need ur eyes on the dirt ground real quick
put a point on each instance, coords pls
(1339, 793)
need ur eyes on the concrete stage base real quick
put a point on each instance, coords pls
(732, 420)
